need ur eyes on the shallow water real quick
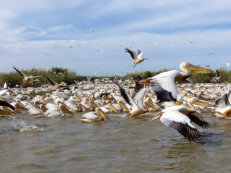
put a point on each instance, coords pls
(30, 144)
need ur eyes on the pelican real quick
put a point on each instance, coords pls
(60, 86)
(6, 104)
(223, 106)
(28, 80)
(164, 84)
(5, 89)
(98, 115)
(136, 103)
(137, 57)
(181, 118)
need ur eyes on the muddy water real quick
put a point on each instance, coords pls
(29, 144)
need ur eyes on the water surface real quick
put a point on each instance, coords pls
(30, 144)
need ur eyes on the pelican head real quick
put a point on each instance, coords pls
(194, 68)
(101, 113)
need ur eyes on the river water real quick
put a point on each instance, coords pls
(31, 144)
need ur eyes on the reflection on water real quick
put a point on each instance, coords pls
(30, 144)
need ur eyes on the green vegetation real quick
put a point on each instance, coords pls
(56, 74)
(64, 75)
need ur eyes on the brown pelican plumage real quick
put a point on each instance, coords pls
(137, 57)
(28, 80)
(181, 118)
(164, 84)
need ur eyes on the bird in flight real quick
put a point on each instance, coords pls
(137, 57)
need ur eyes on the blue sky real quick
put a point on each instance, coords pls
(89, 36)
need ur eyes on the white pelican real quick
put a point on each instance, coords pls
(7, 104)
(223, 106)
(28, 80)
(180, 118)
(137, 57)
(98, 115)
(164, 84)
(136, 103)
(5, 89)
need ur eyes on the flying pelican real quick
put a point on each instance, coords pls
(223, 106)
(98, 115)
(181, 118)
(136, 103)
(28, 80)
(164, 84)
(137, 57)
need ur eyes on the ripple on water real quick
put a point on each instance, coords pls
(117, 145)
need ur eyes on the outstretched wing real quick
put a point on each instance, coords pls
(198, 121)
(123, 93)
(51, 81)
(132, 53)
(22, 74)
(180, 123)
(139, 53)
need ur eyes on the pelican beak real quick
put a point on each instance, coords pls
(177, 103)
(43, 108)
(8, 110)
(197, 69)
(113, 109)
(156, 117)
(150, 105)
(145, 81)
(201, 103)
(145, 58)
(101, 113)
(123, 106)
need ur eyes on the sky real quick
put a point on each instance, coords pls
(90, 36)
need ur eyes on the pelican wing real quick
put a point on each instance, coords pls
(132, 53)
(139, 98)
(181, 123)
(198, 121)
(123, 93)
(22, 74)
(139, 53)
(164, 85)
(162, 94)
(222, 101)
(137, 88)
(51, 81)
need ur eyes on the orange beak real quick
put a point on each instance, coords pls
(145, 81)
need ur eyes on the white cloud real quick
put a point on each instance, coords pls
(85, 42)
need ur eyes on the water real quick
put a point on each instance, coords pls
(30, 144)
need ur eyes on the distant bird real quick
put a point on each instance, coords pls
(28, 80)
(227, 64)
(137, 57)
(62, 85)
(216, 79)
(181, 118)
(5, 89)
(164, 84)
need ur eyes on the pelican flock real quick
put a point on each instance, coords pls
(179, 106)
